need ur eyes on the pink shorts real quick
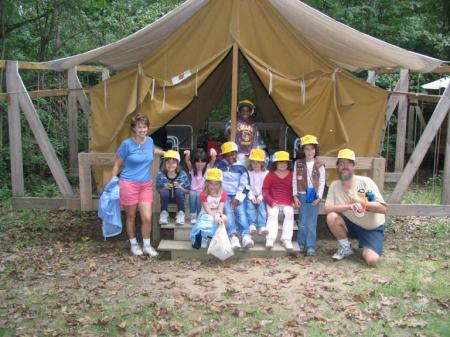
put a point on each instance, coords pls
(134, 192)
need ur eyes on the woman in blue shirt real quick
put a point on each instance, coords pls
(135, 156)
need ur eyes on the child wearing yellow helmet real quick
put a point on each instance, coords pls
(277, 191)
(247, 134)
(255, 205)
(173, 184)
(309, 184)
(212, 213)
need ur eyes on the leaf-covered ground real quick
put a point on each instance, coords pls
(58, 278)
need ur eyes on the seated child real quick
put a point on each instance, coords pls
(236, 185)
(277, 191)
(309, 183)
(172, 183)
(197, 171)
(211, 215)
(255, 204)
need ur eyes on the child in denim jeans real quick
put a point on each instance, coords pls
(309, 183)
(197, 170)
(255, 204)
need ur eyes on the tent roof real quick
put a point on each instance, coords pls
(340, 44)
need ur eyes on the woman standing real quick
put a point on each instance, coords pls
(135, 154)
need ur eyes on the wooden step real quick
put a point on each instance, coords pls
(183, 250)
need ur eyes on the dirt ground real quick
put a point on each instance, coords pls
(59, 278)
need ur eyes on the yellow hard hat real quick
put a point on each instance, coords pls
(281, 156)
(246, 102)
(257, 155)
(214, 174)
(309, 139)
(346, 154)
(172, 154)
(228, 147)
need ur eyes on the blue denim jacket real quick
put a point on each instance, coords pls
(182, 178)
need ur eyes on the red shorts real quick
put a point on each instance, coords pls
(134, 192)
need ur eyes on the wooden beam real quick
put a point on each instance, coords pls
(445, 196)
(234, 91)
(38, 130)
(391, 105)
(392, 177)
(417, 96)
(378, 169)
(402, 113)
(44, 93)
(371, 77)
(410, 135)
(422, 146)
(46, 203)
(418, 210)
(44, 66)
(85, 181)
(15, 135)
(72, 118)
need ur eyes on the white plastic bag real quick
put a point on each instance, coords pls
(220, 245)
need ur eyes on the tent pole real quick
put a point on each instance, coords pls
(234, 90)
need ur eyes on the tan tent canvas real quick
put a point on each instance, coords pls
(179, 66)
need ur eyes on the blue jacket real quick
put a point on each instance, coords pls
(181, 178)
(236, 180)
(109, 209)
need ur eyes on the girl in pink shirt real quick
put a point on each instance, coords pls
(197, 169)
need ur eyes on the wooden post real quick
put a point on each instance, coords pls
(391, 104)
(38, 130)
(410, 138)
(378, 170)
(445, 197)
(85, 182)
(234, 90)
(371, 77)
(401, 122)
(422, 146)
(15, 133)
(72, 116)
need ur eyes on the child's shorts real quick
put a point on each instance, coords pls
(134, 192)
(372, 239)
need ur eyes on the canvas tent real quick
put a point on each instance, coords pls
(177, 68)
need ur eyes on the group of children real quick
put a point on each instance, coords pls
(247, 200)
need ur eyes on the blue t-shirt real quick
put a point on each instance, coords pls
(137, 159)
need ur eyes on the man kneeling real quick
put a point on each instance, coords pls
(355, 208)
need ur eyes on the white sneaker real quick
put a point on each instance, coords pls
(263, 231)
(247, 241)
(252, 229)
(235, 244)
(205, 243)
(269, 243)
(164, 218)
(342, 252)
(288, 244)
(136, 249)
(149, 250)
(193, 218)
(180, 218)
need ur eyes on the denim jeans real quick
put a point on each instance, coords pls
(256, 214)
(237, 216)
(176, 196)
(195, 205)
(308, 223)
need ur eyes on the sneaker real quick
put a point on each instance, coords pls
(247, 241)
(235, 244)
(193, 218)
(252, 229)
(263, 231)
(205, 243)
(136, 249)
(269, 243)
(179, 219)
(311, 252)
(149, 250)
(163, 218)
(288, 244)
(342, 252)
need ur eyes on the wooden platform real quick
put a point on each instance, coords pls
(178, 249)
